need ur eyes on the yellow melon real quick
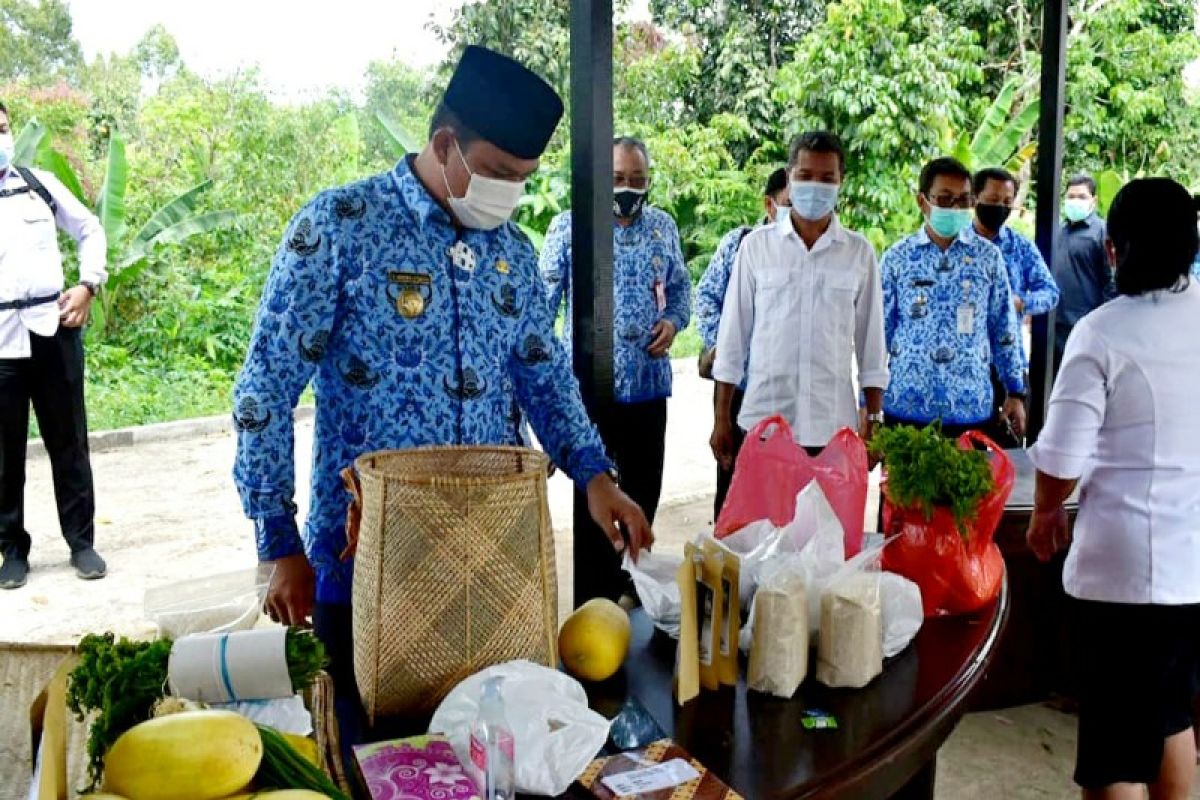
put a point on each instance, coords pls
(594, 640)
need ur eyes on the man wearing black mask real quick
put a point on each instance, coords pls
(651, 304)
(1034, 291)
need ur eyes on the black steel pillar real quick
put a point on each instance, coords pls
(1049, 178)
(592, 222)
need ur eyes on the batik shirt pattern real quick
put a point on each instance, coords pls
(948, 316)
(646, 255)
(411, 334)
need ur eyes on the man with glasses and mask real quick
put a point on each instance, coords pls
(412, 304)
(651, 304)
(804, 302)
(949, 316)
(1033, 289)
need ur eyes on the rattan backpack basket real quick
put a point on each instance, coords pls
(454, 570)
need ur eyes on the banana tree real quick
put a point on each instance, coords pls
(129, 256)
(32, 149)
(998, 139)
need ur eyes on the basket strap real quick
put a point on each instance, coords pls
(353, 512)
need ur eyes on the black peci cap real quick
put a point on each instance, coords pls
(504, 102)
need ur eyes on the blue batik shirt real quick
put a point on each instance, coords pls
(646, 255)
(1028, 276)
(710, 291)
(404, 348)
(948, 316)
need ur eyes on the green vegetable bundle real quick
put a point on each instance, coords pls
(120, 681)
(927, 470)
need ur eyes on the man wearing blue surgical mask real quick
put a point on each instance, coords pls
(949, 316)
(651, 303)
(803, 303)
(1081, 267)
(710, 300)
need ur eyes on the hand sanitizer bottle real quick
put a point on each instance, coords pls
(492, 745)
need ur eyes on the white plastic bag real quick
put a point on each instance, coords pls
(902, 612)
(760, 542)
(231, 601)
(654, 580)
(556, 734)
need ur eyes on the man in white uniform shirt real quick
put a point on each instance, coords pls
(804, 299)
(41, 357)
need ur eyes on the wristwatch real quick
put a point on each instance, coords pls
(875, 418)
(91, 287)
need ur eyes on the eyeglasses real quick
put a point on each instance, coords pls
(630, 182)
(952, 200)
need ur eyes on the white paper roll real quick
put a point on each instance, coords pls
(230, 667)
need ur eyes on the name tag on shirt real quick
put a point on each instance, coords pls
(966, 318)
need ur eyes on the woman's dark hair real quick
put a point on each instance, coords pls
(951, 167)
(3, 108)
(776, 182)
(1152, 225)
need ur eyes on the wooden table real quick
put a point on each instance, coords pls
(1033, 659)
(889, 732)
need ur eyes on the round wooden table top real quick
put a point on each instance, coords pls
(887, 732)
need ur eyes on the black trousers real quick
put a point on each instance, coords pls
(725, 476)
(635, 435)
(52, 381)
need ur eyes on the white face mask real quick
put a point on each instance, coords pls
(488, 203)
(782, 213)
(7, 150)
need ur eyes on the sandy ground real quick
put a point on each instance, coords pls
(168, 512)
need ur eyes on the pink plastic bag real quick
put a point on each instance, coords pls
(771, 469)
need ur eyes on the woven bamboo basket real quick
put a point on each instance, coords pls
(454, 571)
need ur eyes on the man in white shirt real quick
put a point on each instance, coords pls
(804, 300)
(41, 357)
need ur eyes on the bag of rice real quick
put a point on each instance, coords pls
(779, 642)
(850, 645)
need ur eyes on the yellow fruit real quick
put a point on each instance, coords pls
(101, 796)
(196, 755)
(594, 640)
(283, 794)
(304, 746)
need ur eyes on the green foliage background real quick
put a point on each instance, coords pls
(717, 88)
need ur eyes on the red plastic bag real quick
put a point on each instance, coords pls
(771, 470)
(956, 576)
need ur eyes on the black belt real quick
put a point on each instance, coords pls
(28, 302)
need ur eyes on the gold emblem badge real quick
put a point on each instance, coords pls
(415, 292)
(502, 267)
(410, 304)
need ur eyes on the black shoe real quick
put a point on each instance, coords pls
(14, 572)
(88, 564)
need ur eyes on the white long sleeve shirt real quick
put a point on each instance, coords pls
(1122, 420)
(30, 261)
(802, 316)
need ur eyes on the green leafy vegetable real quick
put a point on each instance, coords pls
(927, 470)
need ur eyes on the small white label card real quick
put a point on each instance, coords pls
(966, 318)
(663, 776)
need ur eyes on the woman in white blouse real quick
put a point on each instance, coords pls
(1124, 424)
